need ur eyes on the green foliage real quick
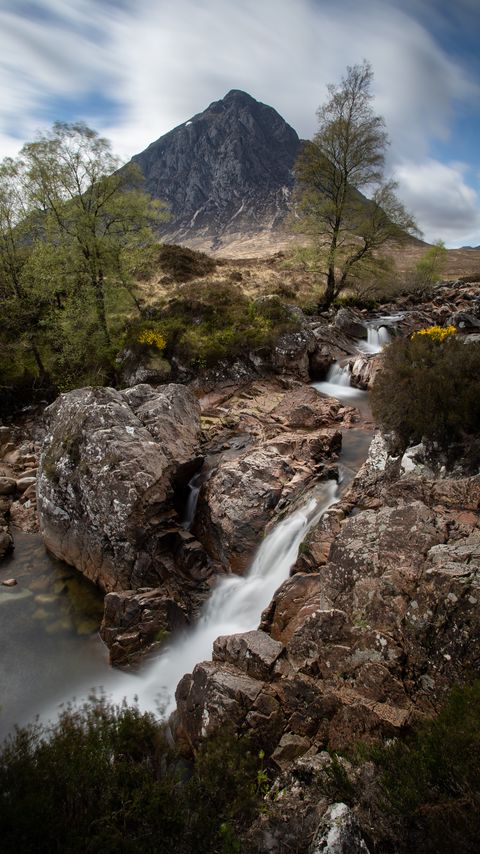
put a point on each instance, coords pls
(211, 321)
(347, 156)
(430, 389)
(72, 226)
(431, 780)
(102, 779)
(184, 264)
(430, 266)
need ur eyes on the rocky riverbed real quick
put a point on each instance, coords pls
(379, 617)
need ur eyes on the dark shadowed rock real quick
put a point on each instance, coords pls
(137, 620)
(348, 323)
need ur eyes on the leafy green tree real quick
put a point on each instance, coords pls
(430, 266)
(345, 159)
(94, 213)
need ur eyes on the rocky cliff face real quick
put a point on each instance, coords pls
(226, 170)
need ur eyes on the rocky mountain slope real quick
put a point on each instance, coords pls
(226, 171)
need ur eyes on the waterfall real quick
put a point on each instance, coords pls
(235, 605)
(338, 375)
(377, 338)
(190, 509)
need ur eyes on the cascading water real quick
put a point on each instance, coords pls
(377, 338)
(338, 384)
(234, 606)
(194, 487)
(338, 375)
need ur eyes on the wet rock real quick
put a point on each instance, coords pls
(350, 324)
(105, 479)
(364, 369)
(135, 621)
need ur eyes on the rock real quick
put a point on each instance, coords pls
(146, 367)
(339, 833)
(105, 480)
(134, 621)
(24, 483)
(290, 747)
(9, 582)
(7, 485)
(350, 324)
(291, 353)
(255, 653)
(464, 320)
(6, 542)
(364, 369)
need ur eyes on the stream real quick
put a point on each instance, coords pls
(52, 653)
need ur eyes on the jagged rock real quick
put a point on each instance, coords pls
(377, 636)
(253, 652)
(348, 323)
(228, 169)
(363, 370)
(339, 833)
(136, 620)
(105, 480)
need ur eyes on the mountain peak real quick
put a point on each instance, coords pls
(226, 170)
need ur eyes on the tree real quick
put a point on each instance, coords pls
(346, 157)
(430, 266)
(93, 212)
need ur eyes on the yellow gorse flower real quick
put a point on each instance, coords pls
(152, 339)
(436, 333)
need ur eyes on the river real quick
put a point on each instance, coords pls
(51, 651)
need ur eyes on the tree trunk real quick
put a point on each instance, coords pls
(98, 286)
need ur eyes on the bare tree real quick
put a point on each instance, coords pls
(346, 159)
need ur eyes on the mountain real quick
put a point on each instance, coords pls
(226, 172)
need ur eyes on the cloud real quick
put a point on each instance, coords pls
(157, 62)
(445, 206)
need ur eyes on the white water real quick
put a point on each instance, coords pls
(235, 605)
(337, 384)
(194, 487)
(377, 338)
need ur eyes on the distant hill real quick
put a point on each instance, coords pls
(226, 173)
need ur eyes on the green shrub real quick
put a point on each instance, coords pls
(431, 779)
(207, 322)
(102, 779)
(430, 389)
(184, 264)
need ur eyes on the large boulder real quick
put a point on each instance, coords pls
(107, 476)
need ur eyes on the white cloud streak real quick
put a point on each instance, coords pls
(164, 60)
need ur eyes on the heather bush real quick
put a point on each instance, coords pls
(103, 780)
(429, 388)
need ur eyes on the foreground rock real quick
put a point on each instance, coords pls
(107, 477)
(373, 640)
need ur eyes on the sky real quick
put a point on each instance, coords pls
(134, 69)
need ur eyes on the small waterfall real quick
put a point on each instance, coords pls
(338, 375)
(190, 509)
(235, 605)
(377, 338)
